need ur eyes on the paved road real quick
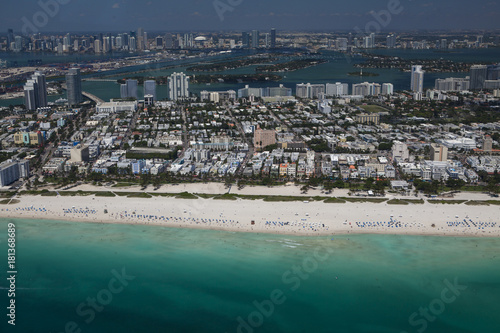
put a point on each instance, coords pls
(245, 140)
(130, 129)
(185, 138)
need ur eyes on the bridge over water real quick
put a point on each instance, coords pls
(99, 80)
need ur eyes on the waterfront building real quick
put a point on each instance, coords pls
(35, 92)
(247, 92)
(97, 46)
(159, 42)
(366, 89)
(74, 86)
(129, 89)
(178, 85)
(387, 89)
(30, 95)
(391, 41)
(245, 39)
(443, 45)
(337, 89)
(41, 83)
(18, 43)
(10, 37)
(417, 79)
(452, 84)
(255, 39)
(478, 74)
(309, 90)
(273, 38)
(280, 91)
(150, 88)
(132, 44)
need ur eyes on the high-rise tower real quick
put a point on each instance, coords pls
(74, 86)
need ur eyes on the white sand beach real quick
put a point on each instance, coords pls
(295, 217)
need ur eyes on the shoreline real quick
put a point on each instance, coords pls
(315, 218)
(265, 232)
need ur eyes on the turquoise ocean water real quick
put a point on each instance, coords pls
(184, 280)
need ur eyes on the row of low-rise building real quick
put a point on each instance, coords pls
(489, 164)
(116, 107)
(438, 170)
(202, 162)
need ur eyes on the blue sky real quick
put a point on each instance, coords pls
(167, 15)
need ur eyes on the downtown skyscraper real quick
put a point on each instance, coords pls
(273, 38)
(255, 39)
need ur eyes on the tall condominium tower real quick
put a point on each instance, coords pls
(150, 88)
(337, 89)
(387, 89)
(42, 88)
(178, 85)
(417, 79)
(129, 89)
(74, 86)
(35, 92)
(493, 72)
(478, 74)
(30, 89)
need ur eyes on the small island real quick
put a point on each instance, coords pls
(235, 78)
(228, 65)
(430, 65)
(291, 65)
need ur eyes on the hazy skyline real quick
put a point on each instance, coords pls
(155, 15)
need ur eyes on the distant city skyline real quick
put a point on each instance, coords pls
(91, 15)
